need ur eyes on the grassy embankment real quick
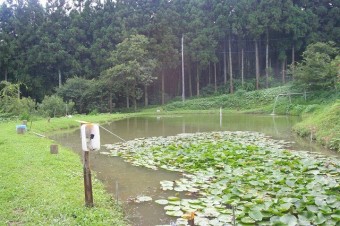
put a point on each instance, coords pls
(320, 110)
(38, 188)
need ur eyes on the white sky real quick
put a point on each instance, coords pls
(42, 2)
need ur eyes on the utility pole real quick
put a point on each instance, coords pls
(183, 87)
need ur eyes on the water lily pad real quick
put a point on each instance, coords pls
(173, 198)
(255, 215)
(140, 199)
(162, 201)
(289, 220)
(225, 218)
(172, 208)
(176, 213)
(247, 220)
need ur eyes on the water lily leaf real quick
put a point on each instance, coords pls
(325, 210)
(255, 214)
(313, 208)
(140, 199)
(285, 207)
(302, 220)
(319, 201)
(162, 201)
(335, 205)
(290, 183)
(175, 203)
(172, 208)
(289, 220)
(173, 198)
(177, 213)
(320, 219)
(225, 218)
(181, 222)
(210, 212)
(247, 220)
(336, 217)
(201, 221)
(290, 200)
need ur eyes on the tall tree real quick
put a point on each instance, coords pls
(132, 65)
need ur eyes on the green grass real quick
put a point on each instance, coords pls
(38, 188)
(323, 125)
(255, 101)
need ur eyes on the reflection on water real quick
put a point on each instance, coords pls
(125, 181)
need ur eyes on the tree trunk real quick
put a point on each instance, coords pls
(257, 66)
(163, 91)
(146, 98)
(209, 73)
(293, 60)
(134, 103)
(225, 64)
(110, 102)
(231, 87)
(215, 78)
(267, 58)
(59, 77)
(127, 100)
(134, 96)
(190, 81)
(283, 72)
(197, 81)
(242, 66)
(6, 73)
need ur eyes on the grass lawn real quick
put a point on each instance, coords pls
(38, 188)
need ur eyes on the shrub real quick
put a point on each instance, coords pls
(54, 106)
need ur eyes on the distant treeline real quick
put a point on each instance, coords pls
(132, 50)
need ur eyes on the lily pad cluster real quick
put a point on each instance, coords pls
(242, 174)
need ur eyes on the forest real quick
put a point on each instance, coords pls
(126, 53)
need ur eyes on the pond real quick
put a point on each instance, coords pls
(126, 182)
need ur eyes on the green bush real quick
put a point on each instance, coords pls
(54, 106)
(311, 108)
(13, 106)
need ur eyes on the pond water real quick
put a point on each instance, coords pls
(125, 182)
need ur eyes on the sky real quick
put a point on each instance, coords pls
(43, 2)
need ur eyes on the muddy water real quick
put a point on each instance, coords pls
(125, 182)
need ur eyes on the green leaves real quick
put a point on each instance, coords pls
(255, 215)
(243, 169)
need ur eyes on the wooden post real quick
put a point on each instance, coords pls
(21, 130)
(54, 149)
(87, 180)
(24, 122)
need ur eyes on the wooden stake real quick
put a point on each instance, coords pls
(54, 148)
(87, 180)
